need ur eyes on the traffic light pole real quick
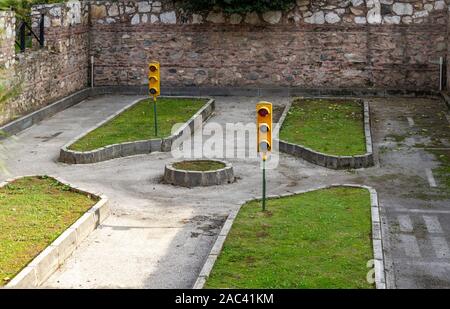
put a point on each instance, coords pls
(264, 184)
(155, 116)
(264, 136)
(154, 88)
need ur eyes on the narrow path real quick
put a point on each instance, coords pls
(158, 235)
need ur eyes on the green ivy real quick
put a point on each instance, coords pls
(23, 7)
(237, 6)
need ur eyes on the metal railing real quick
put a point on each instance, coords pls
(25, 35)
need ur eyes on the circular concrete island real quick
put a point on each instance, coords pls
(194, 173)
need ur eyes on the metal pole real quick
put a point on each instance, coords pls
(41, 31)
(22, 36)
(264, 185)
(155, 116)
(92, 71)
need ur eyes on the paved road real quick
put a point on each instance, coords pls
(415, 199)
(159, 236)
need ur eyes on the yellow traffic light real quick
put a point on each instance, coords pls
(264, 126)
(154, 79)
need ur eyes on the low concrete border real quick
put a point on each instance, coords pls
(55, 254)
(136, 147)
(284, 91)
(189, 179)
(446, 98)
(377, 237)
(327, 160)
(27, 121)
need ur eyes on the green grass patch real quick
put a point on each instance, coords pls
(199, 165)
(137, 123)
(333, 127)
(319, 239)
(34, 211)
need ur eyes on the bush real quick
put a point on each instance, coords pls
(237, 6)
(23, 7)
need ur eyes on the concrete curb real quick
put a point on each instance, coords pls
(27, 121)
(327, 160)
(285, 91)
(136, 147)
(446, 99)
(55, 254)
(190, 179)
(377, 236)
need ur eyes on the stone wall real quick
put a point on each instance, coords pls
(7, 35)
(41, 76)
(376, 44)
(7, 58)
(328, 43)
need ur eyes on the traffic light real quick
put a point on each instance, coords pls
(154, 79)
(264, 126)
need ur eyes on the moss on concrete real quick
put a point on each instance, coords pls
(199, 165)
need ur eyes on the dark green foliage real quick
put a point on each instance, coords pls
(23, 7)
(237, 6)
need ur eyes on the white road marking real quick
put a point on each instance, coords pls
(432, 223)
(410, 121)
(410, 245)
(440, 246)
(430, 211)
(422, 263)
(430, 178)
(405, 223)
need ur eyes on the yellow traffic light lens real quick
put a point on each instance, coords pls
(153, 68)
(153, 79)
(264, 146)
(263, 112)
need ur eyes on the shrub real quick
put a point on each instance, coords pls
(23, 7)
(237, 6)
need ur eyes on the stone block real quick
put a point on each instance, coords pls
(65, 244)
(209, 179)
(332, 162)
(26, 278)
(180, 178)
(84, 226)
(193, 179)
(45, 264)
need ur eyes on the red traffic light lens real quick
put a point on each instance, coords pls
(263, 112)
(153, 68)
